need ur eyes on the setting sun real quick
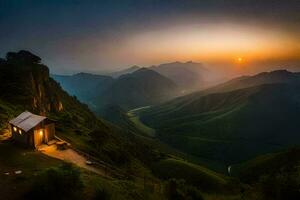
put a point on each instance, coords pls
(239, 59)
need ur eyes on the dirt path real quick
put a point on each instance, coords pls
(71, 156)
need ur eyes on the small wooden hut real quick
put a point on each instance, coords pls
(32, 130)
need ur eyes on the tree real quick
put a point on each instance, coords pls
(179, 190)
(22, 56)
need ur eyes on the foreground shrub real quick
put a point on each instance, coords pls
(101, 194)
(179, 190)
(62, 182)
(284, 186)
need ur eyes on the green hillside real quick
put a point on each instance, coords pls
(232, 126)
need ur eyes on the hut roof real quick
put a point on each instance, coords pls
(27, 120)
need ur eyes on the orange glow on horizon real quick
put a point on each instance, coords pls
(217, 43)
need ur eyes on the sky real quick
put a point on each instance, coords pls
(106, 35)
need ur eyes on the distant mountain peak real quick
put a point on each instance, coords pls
(282, 71)
(134, 67)
(87, 75)
(276, 74)
(143, 69)
(124, 71)
(142, 72)
(279, 71)
(177, 63)
(82, 74)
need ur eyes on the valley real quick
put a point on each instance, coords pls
(189, 141)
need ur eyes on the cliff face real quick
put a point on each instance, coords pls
(28, 83)
(44, 98)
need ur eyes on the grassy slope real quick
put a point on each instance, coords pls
(146, 133)
(171, 165)
(216, 125)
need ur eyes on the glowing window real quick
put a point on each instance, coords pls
(20, 131)
(15, 129)
(41, 132)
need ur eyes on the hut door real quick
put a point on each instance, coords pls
(49, 132)
(38, 137)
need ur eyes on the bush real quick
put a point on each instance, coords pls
(179, 190)
(23, 56)
(101, 194)
(62, 182)
(281, 186)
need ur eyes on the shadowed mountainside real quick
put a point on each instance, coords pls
(140, 88)
(83, 85)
